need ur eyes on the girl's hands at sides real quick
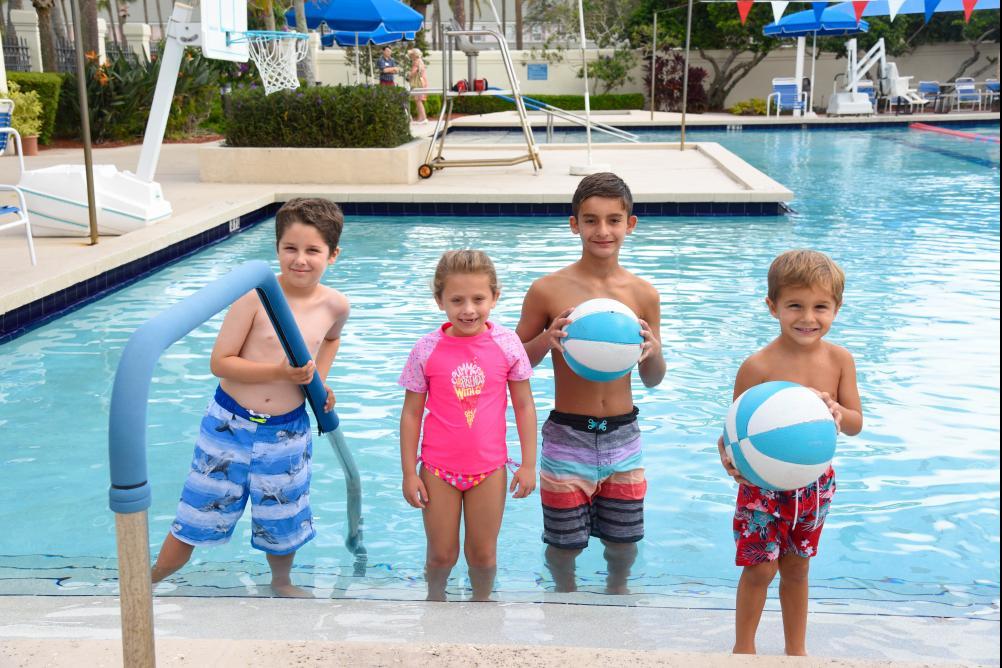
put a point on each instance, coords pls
(523, 482)
(414, 490)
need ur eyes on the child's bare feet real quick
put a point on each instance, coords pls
(289, 590)
(618, 589)
(743, 649)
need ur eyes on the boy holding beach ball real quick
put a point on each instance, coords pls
(591, 475)
(779, 530)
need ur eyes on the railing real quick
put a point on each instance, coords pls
(129, 496)
(66, 55)
(114, 51)
(15, 54)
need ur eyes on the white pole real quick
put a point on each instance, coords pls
(798, 72)
(685, 76)
(814, 60)
(584, 65)
(654, 55)
(358, 68)
(170, 65)
(590, 168)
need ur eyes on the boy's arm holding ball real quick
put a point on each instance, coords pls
(846, 408)
(751, 373)
(651, 364)
(537, 334)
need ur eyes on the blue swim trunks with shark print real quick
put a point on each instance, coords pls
(239, 455)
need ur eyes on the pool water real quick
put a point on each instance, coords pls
(912, 217)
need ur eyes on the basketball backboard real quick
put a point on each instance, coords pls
(223, 25)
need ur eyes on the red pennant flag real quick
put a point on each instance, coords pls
(968, 8)
(859, 6)
(744, 6)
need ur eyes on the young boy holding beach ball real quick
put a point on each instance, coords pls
(780, 530)
(591, 475)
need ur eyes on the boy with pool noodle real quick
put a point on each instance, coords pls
(255, 440)
(779, 531)
(591, 476)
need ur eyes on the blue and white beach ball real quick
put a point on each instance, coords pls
(603, 340)
(780, 435)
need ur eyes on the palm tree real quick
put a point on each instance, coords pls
(458, 11)
(518, 24)
(46, 37)
(112, 25)
(88, 19)
(305, 66)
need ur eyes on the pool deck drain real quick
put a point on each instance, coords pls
(207, 631)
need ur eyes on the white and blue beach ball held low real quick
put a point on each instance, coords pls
(780, 435)
(603, 340)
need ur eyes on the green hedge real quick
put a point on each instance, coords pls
(48, 86)
(489, 104)
(319, 117)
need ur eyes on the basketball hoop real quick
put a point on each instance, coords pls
(275, 53)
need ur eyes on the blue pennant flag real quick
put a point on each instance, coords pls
(930, 7)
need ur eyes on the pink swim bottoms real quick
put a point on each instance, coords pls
(461, 481)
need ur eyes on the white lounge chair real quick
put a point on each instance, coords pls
(784, 96)
(897, 90)
(12, 215)
(965, 92)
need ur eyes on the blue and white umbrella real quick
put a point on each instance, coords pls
(359, 16)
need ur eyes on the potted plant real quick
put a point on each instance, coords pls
(27, 117)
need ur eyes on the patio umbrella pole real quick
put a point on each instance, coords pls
(84, 122)
(685, 74)
(814, 60)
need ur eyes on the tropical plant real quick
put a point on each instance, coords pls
(668, 81)
(753, 107)
(27, 118)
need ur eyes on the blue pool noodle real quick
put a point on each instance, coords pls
(130, 489)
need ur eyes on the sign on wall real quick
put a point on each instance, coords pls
(537, 72)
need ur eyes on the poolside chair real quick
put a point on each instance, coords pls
(897, 91)
(866, 86)
(784, 96)
(991, 95)
(12, 215)
(965, 92)
(932, 93)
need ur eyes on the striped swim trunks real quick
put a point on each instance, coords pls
(241, 456)
(591, 480)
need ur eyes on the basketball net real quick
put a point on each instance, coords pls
(276, 59)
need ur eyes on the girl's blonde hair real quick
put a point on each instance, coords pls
(415, 53)
(464, 262)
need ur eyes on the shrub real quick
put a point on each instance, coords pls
(489, 104)
(48, 86)
(752, 107)
(668, 83)
(319, 117)
(27, 118)
(120, 95)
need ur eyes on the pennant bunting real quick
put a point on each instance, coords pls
(893, 6)
(744, 6)
(819, 8)
(930, 7)
(968, 8)
(858, 6)
(779, 7)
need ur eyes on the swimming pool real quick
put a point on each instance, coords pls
(915, 525)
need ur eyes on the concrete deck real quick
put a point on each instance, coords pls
(266, 632)
(638, 119)
(656, 173)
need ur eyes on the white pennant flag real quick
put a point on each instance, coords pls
(893, 6)
(779, 7)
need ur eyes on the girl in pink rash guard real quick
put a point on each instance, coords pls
(461, 374)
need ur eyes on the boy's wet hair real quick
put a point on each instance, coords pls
(602, 184)
(464, 262)
(317, 212)
(803, 268)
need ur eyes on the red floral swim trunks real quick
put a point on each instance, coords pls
(769, 524)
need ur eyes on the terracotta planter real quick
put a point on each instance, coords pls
(30, 145)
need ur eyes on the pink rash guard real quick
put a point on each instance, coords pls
(466, 379)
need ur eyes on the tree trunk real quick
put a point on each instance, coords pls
(112, 27)
(46, 37)
(305, 66)
(160, 19)
(975, 55)
(437, 32)
(726, 76)
(269, 15)
(88, 25)
(58, 21)
(458, 11)
(518, 25)
(473, 12)
(146, 12)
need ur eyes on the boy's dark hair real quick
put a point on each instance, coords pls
(602, 184)
(317, 212)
